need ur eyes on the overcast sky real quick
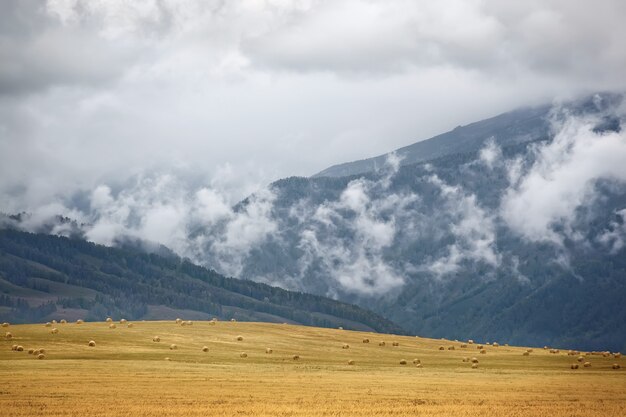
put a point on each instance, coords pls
(235, 94)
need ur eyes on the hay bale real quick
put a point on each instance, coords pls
(19, 348)
(402, 361)
(474, 360)
(545, 348)
(239, 338)
(479, 347)
(483, 351)
(527, 353)
(496, 344)
(616, 366)
(475, 365)
(122, 321)
(350, 362)
(617, 355)
(581, 359)
(5, 324)
(42, 350)
(442, 348)
(470, 342)
(296, 357)
(183, 323)
(14, 347)
(212, 323)
(587, 364)
(63, 321)
(130, 325)
(466, 359)
(80, 321)
(366, 340)
(8, 336)
(109, 319)
(54, 322)
(173, 347)
(48, 324)
(340, 328)
(574, 366)
(395, 344)
(31, 351)
(156, 339)
(345, 346)
(167, 359)
(54, 330)
(112, 326)
(91, 343)
(381, 343)
(416, 361)
(214, 319)
(418, 365)
(529, 350)
(488, 344)
(463, 345)
(450, 347)
(205, 348)
(179, 320)
(41, 356)
(268, 350)
(233, 320)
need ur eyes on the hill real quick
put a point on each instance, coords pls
(45, 277)
(126, 373)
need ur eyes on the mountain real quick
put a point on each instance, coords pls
(45, 277)
(510, 229)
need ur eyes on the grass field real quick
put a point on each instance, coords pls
(127, 374)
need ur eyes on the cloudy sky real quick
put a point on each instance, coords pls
(234, 94)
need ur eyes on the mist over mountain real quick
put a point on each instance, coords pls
(508, 229)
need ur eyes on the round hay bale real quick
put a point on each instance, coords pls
(488, 344)
(54, 322)
(167, 359)
(581, 359)
(366, 340)
(239, 338)
(130, 325)
(189, 323)
(416, 361)
(112, 326)
(54, 330)
(80, 321)
(20, 348)
(109, 320)
(350, 362)
(5, 324)
(345, 346)
(395, 344)
(173, 347)
(465, 359)
(296, 357)
(183, 323)
(8, 336)
(179, 320)
(402, 361)
(442, 348)
(31, 351)
(545, 348)
(122, 321)
(233, 320)
(42, 350)
(474, 365)
(91, 343)
(470, 342)
(243, 355)
(479, 347)
(63, 321)
(214, 319)
(340, 328)
(156, 339)
(14, 347)
(41, 356)
(617, 355)
(212, 323)
(48, 324)
(450, 347)
(205, 348)
(496, 344)
(474, 360)
(463, 345)
(526, 353)
(269, 350)
(483, 351)
(616, 366)
(574, 366)
(418, 365)
(587, 364)
(381, 343)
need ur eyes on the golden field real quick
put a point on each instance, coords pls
(127, 374)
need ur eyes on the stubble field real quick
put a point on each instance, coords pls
(127, 374)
